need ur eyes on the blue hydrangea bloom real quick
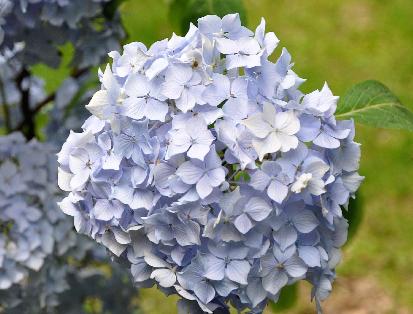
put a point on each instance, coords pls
(206, 170)
(37, 239)
(32, 228)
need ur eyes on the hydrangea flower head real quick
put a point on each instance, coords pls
(206, 169)
(32, 228)
(37, 240)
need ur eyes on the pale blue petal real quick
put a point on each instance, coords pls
(286, 236)
(189, 173)
(277, 191)
(274, 281)
(237, 271)
(295, 266)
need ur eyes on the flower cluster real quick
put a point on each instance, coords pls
(37, 240)
(31, 226)
(43, 25)
(34, 31)
(207, 170)
(63, 288)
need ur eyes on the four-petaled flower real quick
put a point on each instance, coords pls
(274, 130)
(206, 175)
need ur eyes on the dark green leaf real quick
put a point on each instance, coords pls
(224, 7)
(373, 104)
(110, 8)
(184, 12)
(354, 215)
(288, 298)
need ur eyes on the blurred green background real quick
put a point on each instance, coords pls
(341, 42)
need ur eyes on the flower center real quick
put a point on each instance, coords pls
(301, 183)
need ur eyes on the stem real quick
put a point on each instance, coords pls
(44, 102)
(75, 74)
(233, 175)
(28, 121)
(5, 108)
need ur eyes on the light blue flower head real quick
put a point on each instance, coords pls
(31, 227)
(37, 239)
(206, 169)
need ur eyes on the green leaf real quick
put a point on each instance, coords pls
(110, 8)
(242, 176)
(40, 122)
(288, 298)
(55, 77)
(373, 104)
(224, 7)
(184, 12)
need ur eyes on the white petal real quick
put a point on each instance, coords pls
(109, 241)
(288, 142)
(257, 125)
(98, 104)
(79, 180)
(198, 151)
(287, 122)
(271, 144)
(165, 277)
(155, 261)
(63, 180)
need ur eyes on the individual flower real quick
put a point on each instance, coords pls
(191, 136)
(228, 261)
(271, 178)
(145, 100)
(310, 176)
(183, 85)
(278, 268)
(274, 131)
(293, 220)
(206, 175)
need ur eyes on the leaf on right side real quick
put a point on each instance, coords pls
(372, 103)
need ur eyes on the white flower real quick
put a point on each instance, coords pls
(274, 130)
